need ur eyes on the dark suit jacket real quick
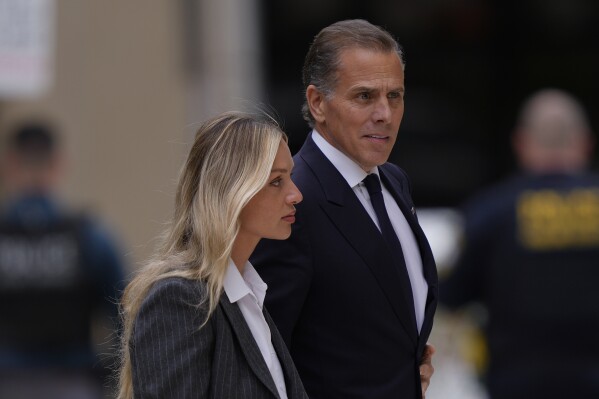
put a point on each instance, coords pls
(172, 357)
(335, 295)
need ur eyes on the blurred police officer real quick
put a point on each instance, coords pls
(531, 256)
(58, 271)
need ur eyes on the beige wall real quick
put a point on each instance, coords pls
(127, 105)
(119, 99)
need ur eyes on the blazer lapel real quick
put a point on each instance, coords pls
(247, 343)
(295, 388)
(356, 226)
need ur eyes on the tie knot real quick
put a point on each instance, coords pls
(372, 183)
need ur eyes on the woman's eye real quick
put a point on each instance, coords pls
(276, 182)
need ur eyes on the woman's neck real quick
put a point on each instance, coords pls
(242, 249)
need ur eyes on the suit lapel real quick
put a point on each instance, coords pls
(395, 189)
(248, 345)
(356, 226)
(295, 388)
(428, 261)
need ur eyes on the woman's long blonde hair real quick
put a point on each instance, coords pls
(229, 162)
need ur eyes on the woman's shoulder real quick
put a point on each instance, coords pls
(171, 300)
(179, 287)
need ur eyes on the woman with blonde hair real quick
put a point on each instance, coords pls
(194, 323)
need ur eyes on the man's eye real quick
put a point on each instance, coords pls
(394, 94)
(364, 96)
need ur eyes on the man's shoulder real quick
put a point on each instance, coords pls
(304, 175)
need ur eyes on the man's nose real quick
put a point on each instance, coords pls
(382, 110)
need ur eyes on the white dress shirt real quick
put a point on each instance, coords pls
(249, 291)
(354, 175)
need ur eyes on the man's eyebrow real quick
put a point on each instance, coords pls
(372, 89)
(362, 88)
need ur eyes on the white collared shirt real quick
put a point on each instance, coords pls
(354, 175)
(249, 291)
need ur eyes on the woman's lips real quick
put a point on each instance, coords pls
(289, 218)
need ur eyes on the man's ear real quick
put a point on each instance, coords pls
(316, 102)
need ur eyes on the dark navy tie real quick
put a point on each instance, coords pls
(373, 185)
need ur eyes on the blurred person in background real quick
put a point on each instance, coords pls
(531, 257)
(354, 289)
(60, 278)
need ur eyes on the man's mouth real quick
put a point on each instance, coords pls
(376, 137)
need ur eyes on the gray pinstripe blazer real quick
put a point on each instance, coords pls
(172, 357)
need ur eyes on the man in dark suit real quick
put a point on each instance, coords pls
(354, 290)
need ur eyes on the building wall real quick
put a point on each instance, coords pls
(119, 100)
(132, 80)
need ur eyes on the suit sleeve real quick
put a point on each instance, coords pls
(171, 355)
(287, 267)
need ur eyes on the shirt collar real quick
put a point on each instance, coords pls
(351, 171)
(237, 286)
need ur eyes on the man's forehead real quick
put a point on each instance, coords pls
(365, 53)
(370, 69)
